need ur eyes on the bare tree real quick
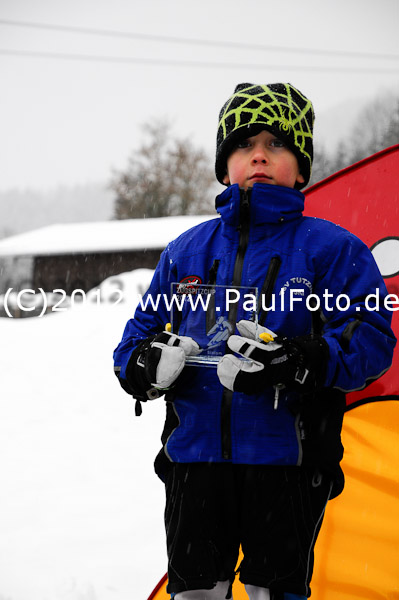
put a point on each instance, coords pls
(322, 164)
(165, 176)
(376, 128)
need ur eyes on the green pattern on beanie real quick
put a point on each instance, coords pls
(280, 108)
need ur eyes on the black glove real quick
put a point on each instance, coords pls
(156, 363)
(298, 363)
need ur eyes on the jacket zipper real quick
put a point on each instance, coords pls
(268, 286)
(227, 397)
(211, 310)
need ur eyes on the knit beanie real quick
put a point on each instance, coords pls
(278, 107)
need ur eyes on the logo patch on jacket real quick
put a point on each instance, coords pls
(299, 286)
(191, 279)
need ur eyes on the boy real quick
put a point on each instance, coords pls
(251, 450)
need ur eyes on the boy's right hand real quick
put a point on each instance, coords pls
(157, 362)
(298, 363)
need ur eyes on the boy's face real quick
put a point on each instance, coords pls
(262, 158)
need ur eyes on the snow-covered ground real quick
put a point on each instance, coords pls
(81, 510)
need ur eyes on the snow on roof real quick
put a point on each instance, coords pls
(108, 236)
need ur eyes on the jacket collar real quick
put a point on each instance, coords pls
(268, 204)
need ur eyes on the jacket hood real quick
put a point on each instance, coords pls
(268, 204)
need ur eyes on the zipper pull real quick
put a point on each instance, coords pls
(277, 388)
(244, 205)
(245, 196)
(213, 271)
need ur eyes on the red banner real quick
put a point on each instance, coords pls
(364, 199)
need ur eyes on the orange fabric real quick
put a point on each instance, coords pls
(357, 553)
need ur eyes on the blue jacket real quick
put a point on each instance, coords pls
(262, 239)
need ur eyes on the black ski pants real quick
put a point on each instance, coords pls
(273, 512)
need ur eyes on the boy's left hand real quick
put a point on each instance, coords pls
(297, 363)
(157, 362)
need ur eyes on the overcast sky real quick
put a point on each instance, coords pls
(69, 121)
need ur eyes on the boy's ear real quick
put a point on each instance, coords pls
(300, 178)
(226, 179)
